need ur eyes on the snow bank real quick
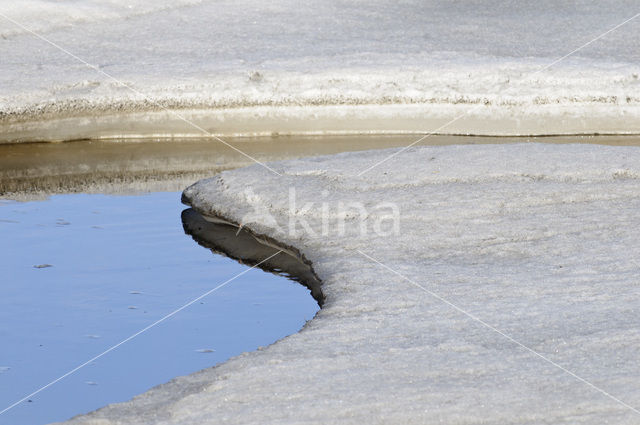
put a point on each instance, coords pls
(533, 242)
(48, 15)
(254, 68)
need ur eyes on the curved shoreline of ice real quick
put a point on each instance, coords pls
(538, 241)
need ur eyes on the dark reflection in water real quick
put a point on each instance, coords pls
(247, 248)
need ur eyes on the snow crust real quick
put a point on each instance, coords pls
(540, 242)
(45, 16)
(253, 68)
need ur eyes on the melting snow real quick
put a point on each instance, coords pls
(509, 293)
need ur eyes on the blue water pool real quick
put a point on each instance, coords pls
(80, 273)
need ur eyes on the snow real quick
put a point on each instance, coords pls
(257, 68)
(47, 15)
(508, 294)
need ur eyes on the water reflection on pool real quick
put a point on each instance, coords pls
(82, 272)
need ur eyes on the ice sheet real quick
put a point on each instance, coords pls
(251, 67)
(538, 242)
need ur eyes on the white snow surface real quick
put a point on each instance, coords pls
(256, 67)
(519, 302)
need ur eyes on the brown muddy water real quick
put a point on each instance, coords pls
(147, 165)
